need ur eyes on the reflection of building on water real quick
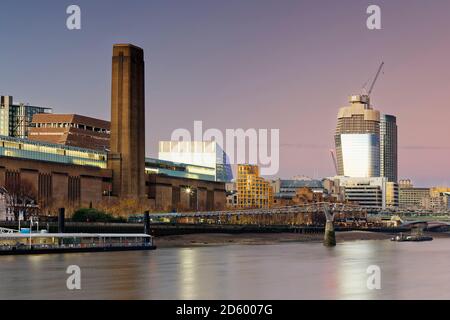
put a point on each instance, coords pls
(187, 274)
(352, 265)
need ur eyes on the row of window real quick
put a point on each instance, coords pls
(70, 125)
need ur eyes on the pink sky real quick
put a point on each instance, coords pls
(281, 64)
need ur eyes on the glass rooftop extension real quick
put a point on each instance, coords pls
(52, 152)
(180, 170)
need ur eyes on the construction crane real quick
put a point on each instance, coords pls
(364, 97)
(334, 161)
(375, 79)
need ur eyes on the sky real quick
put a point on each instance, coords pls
(263, 64)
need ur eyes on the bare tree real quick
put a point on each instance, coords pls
(22, 198)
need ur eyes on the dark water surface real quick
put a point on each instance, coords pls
(282, 271)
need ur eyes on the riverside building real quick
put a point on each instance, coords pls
(369, 193)
(253, 191)
(63, 175)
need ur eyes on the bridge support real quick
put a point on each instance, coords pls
(330, 236)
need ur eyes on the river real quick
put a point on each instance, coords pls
(280, 271)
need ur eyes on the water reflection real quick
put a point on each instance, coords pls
(285, 271)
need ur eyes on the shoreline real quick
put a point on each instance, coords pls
(221, 239)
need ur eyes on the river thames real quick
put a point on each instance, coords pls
(279, 271)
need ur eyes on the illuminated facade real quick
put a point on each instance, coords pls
(180, 170)
(366, 142)
(357, 140)
(252, 190)
(206, 154)
(51, 152)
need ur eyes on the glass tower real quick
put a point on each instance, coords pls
(357, 139)
(388, 147)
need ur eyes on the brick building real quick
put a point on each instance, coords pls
(71, 130)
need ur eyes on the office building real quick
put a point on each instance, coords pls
(253, 191)
(388, 147)
(357, 139)
(375, 192)
(438, 200)
(199, 153)
(411, 197)
(71, 130)
(15, 119)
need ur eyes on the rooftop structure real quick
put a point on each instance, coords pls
(51, 152)
(179, 170)
(72, 130)
(199, 153)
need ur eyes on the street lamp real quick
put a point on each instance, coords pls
(190, 192)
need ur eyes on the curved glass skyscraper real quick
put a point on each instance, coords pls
(358, 139)
(366, 142)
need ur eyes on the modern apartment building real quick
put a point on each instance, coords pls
(253, 191)
(15, 119)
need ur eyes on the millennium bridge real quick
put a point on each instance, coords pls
(311, 214)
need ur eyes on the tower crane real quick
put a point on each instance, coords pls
(334, 161)
(375, 79)
(366, 97)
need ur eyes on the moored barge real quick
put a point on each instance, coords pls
(51, 243)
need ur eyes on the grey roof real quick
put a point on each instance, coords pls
(301, 183)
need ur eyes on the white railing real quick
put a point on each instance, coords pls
(7, 231)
